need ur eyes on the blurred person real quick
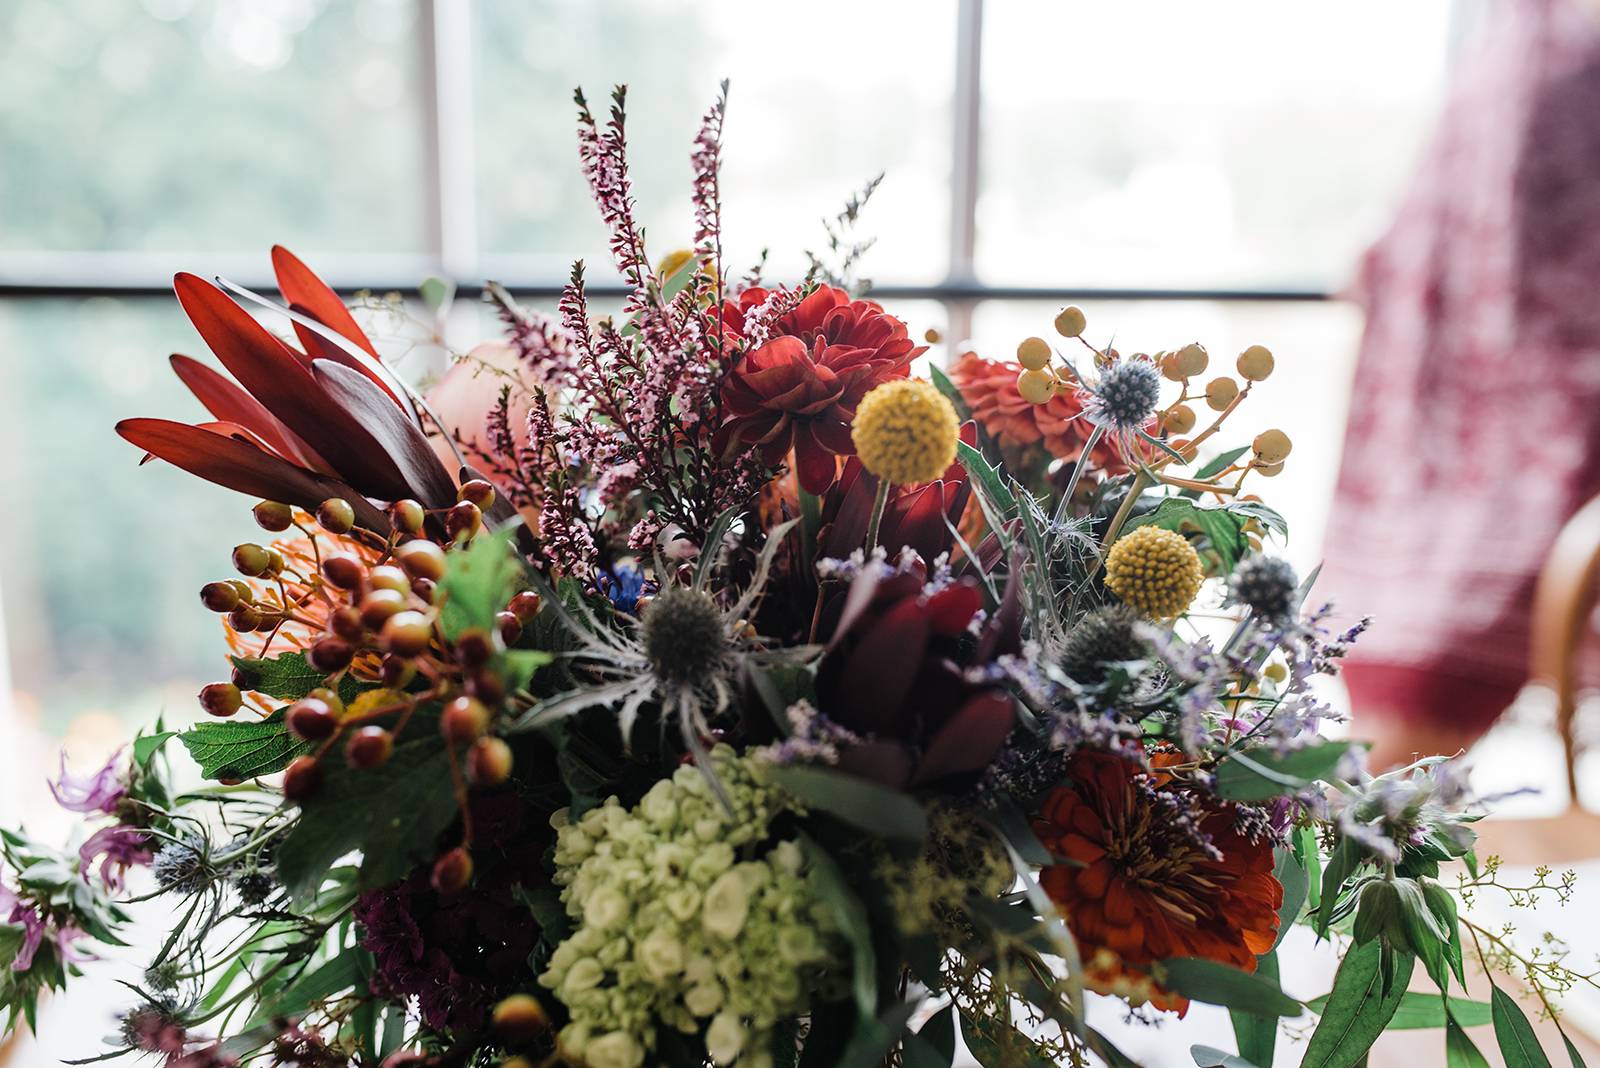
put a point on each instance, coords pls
(1474, 431)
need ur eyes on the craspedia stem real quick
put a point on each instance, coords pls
(879, 503)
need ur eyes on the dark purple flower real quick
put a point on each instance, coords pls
(101, 792)
(121, 846)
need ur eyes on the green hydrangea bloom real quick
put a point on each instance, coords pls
(687, 919)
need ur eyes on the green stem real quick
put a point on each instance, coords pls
(879, 502)
(1140, 483)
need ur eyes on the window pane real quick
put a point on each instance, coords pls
(210, 125)
(1307, 395)
(1166, 143)
(822, 99)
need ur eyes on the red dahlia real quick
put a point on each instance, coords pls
(799, 389)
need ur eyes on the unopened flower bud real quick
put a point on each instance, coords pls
(251, 560)
(368, 747)
(311, 718)
(478, 491)
(301, 778)
(464, 720)
(273, 515)
(406, 516)
(343, 571)
(489, 762)
(219, 596)
(421, 559)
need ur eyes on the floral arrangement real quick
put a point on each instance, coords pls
(714, 683)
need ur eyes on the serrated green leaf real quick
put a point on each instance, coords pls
(478, 583)
(863, 804)
(1518, 1044)
(1357, 1009)
(242, 749)
(392, 814)
(1260, 774)
(1219, 984)
(1223, 527)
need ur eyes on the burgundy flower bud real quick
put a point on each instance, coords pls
(452, 872)
(301, 778)
(407, 633)
(273, 515)
(421, 559)
(329, 654)
(464, 720)
(219, 596)
(251, 560)
(311, 718)
(489, 762)
(379, 605)
(221, 699)
(463, 520)
(478, 491)
(344, 571)
(487, 687)
(369, 747)
(406, 516)
(336, 516)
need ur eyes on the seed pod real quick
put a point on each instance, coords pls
(464, 720)
(379, 605)
(406, 516)
(1191, 360)
(478, 491)
(336, 516)
(1179, 420)
(519, 1019)
(1034, 353)
(509, 626)
(1036, 387)
(407, 634)
(487, 687)
(221, 699)
(219, 596)
(397, 672)
(311, 718)
(1071, 321)
(273, 515)
(368, 747)
(489, 762)
(330, 698)
(251, 560)
(524, 605)
(245, 618)
(421, 559)
(452, 872)
(388, 577)
(329, 654)
(301, 778)
(474, 647)
(345, 621)
(344, 571)
(463, 520)
(1271, 447)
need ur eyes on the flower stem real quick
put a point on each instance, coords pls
(879, 502)
(1141, 482)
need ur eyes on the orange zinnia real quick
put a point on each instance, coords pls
(1138, 885)
(990, 390)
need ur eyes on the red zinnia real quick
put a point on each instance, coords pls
(800, 389)
(1137, 886)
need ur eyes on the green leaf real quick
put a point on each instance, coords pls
(1357, 1010)
(336, 976)
(874, 1037)
(1459, 1051)
(1518, 1044)
(436, 294)
(146, 746)
(1223, 527)
(1218, 984)
(998, 502)
(1219, 462)
(1419, 1011)
(391, 814)
(851, 915)
(942, 383)
(1572, 1052)
(1211, 1057)
(1257, 1036)
(861, 803)
(242, 749)
(935, 1045)
(478, 582)
(287, 677)
(995, 1043)
(1260, 774)
(1295, 880)
(1343, 862)
(1013, 825)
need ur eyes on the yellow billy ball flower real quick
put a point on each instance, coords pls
(673, 262)
(905, 431)
(1155, 571)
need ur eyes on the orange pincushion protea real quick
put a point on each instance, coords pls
(990, 390)
(1138, 884)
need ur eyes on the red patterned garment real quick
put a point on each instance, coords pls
(1474, 430)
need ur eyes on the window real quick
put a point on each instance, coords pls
(1183, 172)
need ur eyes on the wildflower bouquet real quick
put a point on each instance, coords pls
(729, 688)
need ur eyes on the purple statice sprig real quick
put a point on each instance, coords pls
(813, 738)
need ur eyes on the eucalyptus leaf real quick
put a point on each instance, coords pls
(1295, 880)
(1357, 1010)
(1459, 1051)
(1518, 1044)
(851, 916)
(1259, 774)
(1420, 1010)
(1219, 984)
(863, 804)
(1257, 1036)
(1211, 1057)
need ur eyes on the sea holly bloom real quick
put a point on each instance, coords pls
(1150, 871)
(989, 388)
(799, 390)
